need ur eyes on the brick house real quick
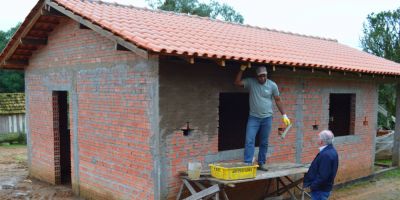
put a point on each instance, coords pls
(109, 88)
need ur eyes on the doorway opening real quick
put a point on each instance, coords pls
(62, 139)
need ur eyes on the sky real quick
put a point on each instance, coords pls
(335, 19)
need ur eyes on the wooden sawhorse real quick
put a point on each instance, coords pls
(205, 192)
(279, 172)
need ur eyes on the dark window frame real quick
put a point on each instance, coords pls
(233, 112)
(342, 110)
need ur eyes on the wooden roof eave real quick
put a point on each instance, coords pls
(102, 31)
(5, 61)
(274, 63)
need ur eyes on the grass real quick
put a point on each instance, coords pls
(354, 185)
(21, 158)
(385, 162)
(392, 173)
(14, 146)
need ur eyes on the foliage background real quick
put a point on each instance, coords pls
(10, 80)
(382, 38)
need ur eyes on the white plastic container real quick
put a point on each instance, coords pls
(194, 169)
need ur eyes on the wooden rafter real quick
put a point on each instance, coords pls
(189, 59)
(12, 63)
(52, 12)
(221, 62)
(27, 28)
(33, 41)
(81, 26)
(120, 47)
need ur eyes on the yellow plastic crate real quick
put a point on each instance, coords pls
(233, 171)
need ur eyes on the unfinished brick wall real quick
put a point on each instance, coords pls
(356, 148)
(191, 93)
(114, 117)
(112, 112)
(41, 132)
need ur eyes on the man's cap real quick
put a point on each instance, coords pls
(261, 70)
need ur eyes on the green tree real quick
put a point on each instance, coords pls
(214, 9)
(382, 38)
(6, 36)
(10, 80)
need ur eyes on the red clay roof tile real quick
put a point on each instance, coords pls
(168, 32)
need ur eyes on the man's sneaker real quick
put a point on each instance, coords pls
(263, 167)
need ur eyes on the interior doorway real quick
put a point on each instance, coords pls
(62, 137)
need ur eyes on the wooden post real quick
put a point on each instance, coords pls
(396, 138)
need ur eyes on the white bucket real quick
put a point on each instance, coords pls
(194, 169)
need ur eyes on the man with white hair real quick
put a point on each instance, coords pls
(321, 175)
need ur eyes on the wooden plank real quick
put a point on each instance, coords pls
(52, 13)
(98, 29)
(286, 188)
(4, 124)
(81, 26)
(189, 187)
(189, 59)
(33, 41)
(202, 187)
(180, 192)
(120, 47)
(274, 198)
(382, 165)
(266, 189)
(224, 194)
(211, 190)
(221, 62)
(297, 186)
(23, 53)
(16, 63)
(217, 196)
(261, 175)
(396, 137)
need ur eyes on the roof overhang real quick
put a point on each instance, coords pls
(46, 15)
(33, 33)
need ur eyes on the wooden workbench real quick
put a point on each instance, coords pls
(279, 172)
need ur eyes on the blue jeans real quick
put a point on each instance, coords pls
(263, 127)
(320, 195)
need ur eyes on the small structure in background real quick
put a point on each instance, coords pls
(12, 112)
(384, 145)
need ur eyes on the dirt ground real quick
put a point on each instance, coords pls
(377, 189)
(15, 183)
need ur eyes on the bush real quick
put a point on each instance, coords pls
(22, 138)
(13, 137)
